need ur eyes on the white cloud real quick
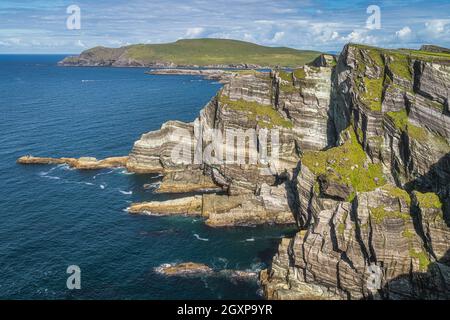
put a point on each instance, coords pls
(360, 36)
(81, 44)
(194, 32)
(436, 26)
(277, 36)
(404, 33)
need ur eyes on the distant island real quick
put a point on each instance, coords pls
(217, 53)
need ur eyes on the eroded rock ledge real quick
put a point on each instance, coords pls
(84, 163)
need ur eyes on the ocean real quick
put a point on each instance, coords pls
(52, 217)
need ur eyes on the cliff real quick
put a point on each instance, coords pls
(357, 156)
(374, 209)
(217, 53)
(363, 171)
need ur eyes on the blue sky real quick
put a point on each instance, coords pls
(37, 26)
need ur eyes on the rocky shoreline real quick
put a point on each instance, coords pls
(84, 163)
(363, 170)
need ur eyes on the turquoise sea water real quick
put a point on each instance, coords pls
(52, 217)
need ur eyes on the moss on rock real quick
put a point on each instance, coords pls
(348, 162)
(265, 115)
(428, 200)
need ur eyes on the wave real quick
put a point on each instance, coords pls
(126, 192)
(51, 177)
(250, 239)
(44, 173)
(199, 238)
(160, 269)
(65, 166)
(102, 186)
(125, 172)
(102, 174)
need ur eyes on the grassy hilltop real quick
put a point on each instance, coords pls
(201, 52)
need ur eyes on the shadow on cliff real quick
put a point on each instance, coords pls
(436, 180)
(431, 285)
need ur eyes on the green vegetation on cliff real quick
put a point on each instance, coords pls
(398, 193)
(287, 84)
(380, 213)
(203, 52)
(264, 115)
(428, 200)
(349, 162)
(424, 261)
(400, 119)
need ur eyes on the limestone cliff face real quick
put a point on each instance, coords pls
(294, 104)
(374, 209)
(363, 170)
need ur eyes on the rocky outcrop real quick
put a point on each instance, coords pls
(187, 181)
(84, 163)
(373, 209)
(362, 167)
(211, 74)
(245, 112)
(183, 206)
(270, 206)
(184, 269)
(192, 269)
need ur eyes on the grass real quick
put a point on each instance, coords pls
(397, 193)
(288, 82)
(400, 65)
(428, 56)
(379, 214)
(402, 123)
(265, 115)
(373, 94)
(203, 52)
(425, 137)
(400, 119)
(429, 200)
(348, 162)
(341, 229)
(398, 62)
(408, 234)
(300, 73)
(424, 261)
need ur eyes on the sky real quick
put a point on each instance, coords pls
(38, 26)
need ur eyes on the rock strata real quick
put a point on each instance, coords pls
(84, 163)
(184, 269)
(373, 206)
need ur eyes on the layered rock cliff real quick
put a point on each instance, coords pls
(278, 107)
(374, 209)
(355, 151)
(363, 171)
